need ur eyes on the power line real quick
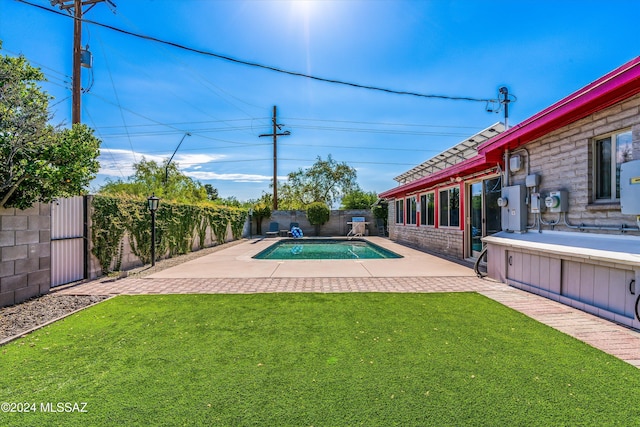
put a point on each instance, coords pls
(380, 123)
(262, 66)
(160, 152)
(114, 162)
(413, 150)
(191, 123)
(203, 80)
(355, 162)
(329, 128)
(384, 131)
(66, 76)
(115, 92)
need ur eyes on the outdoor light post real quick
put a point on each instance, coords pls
(153, 207)
(250, 215)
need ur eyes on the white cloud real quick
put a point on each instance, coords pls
(119, 163)
(237, 177)
(195, 160)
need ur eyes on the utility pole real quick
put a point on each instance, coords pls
(75, 8)
(504, 91)
(275, 136)
(506, 99)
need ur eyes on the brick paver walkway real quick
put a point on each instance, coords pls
(599, 333)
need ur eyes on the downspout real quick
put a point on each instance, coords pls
(506, 168)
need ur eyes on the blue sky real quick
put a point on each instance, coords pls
(144, 96)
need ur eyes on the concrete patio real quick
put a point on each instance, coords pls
(233, 270)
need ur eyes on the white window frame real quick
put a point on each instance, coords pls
(424, 210)
(399, 213)
(612, 193)
(441, 223)
(411, 210)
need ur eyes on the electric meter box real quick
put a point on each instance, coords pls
(532, 180)
(630, 187)
(514, 208)
(557, 201)
(515, 163)
(537, 204)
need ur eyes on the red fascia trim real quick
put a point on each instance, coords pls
(436, 207)
(462, 198)
(466, 167)
(609, 89)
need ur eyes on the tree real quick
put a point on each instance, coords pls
(260, 211)
(38, 162)
(358, 199)
(325, 181)
(212, 192)
(381, 212)
(230, 201)
(150, 178)
(318, 213)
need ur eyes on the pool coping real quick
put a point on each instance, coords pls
(237, 262)
(310, 240)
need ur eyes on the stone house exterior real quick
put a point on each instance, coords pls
(554, 200)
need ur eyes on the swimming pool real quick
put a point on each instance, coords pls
(291, 249)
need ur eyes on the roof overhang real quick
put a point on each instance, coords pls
(465, 168)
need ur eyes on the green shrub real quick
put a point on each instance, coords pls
(261, 211)
(318, 214)
(177, 227)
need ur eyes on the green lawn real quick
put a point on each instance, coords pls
(313, 359)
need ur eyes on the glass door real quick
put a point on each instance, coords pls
(492, 212)
(476, 215)
(484, 213)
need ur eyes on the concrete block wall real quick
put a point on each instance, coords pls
(337, 225)
(25, 253)
(564, 161)
(446, 241)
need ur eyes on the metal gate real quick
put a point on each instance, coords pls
(67, 240)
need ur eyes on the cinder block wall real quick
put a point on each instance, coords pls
(337, 225)
(564, 161)
(25, 253)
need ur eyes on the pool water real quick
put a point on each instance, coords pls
(325, 249)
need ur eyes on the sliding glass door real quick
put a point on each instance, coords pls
(484, 213)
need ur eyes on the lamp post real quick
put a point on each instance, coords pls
(250, 215)
(153, 207)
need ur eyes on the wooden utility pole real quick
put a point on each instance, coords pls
(74, 8)
(275, 136)
(77, 71)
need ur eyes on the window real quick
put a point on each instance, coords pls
(450, 207)
(412, 210)
(610, 152)
(427, 209)
(400, 211)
